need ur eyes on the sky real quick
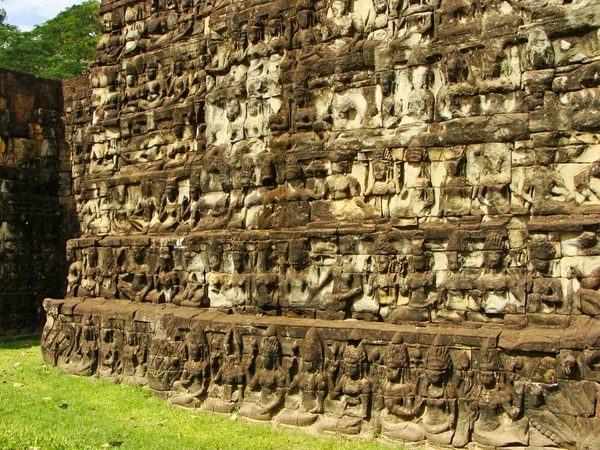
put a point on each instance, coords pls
(27, 13)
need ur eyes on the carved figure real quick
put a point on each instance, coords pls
(269, 378)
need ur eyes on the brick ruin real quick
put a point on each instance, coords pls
(350, 216)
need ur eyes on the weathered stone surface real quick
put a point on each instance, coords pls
(352, 216)
(34, 158)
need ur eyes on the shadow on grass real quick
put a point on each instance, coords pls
(19, 342)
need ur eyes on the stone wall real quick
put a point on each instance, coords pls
(339, 165)
(32, 256)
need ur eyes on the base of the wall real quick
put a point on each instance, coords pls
(521, 384)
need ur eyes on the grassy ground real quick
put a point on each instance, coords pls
(44, 408)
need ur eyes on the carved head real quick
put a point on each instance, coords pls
(232, 343)
(247, 173)
(493, 251)
(312, 351)
(489, 363)
(339, 8)
(152, 70)
(396, 357)
(386, 81)
(254, 34)
(237, 261)
(355, 356)
(270, 348)
(130, 75)
(233, 109)
(437, 361)
(304, 18)
(275, 24)
(293, 170)
(172, 190)
(214, 260)
(380, 6)
(339, 163)
(139, 254)
(106, 22)
(383, 263)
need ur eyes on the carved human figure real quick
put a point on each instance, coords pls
(543, 189)
(75, 273)
(310, 384)
(229, 381)
(228, 289)
(417, 197)
(256, 56)
(343, 189)
(386, 282)
(497, 419)
(269, 378)
(164, 278)
(193, 212)
(340, 23)
(415, 21)
(587, 184)
(165, 363)
(489, 171)
(540, 53)
(438, 395)
(90, 287)
(546, 293)
(145, 209)
(497, 291)
(420, 282)
(587, 295)
(306, 36)
(153, 92)
(109, 353)
(350, 396)
(134, 357)
(303, 283)
(88, 349)
(421, 101)
(89, 212)
(170, 211)
(132, 91)
(179, 86)
(190, 390)
(391, 107)
(455, 196)
(380, 27)
(453, 291)
(385, 184)
(455, 97)
(401, 406)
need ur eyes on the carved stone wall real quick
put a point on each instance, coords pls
(32, 256)
(302, 164)
(491, 386)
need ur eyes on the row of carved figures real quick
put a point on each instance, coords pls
(404, 392)
(269, 194)
(286, 274)
(342, 24)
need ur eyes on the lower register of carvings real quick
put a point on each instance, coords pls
(495, 386)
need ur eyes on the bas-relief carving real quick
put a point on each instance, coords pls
(443, 394)
(384, 161)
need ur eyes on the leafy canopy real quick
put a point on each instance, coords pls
(60, 48)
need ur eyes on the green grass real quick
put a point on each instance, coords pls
(42, 407)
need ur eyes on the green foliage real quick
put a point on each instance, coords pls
(42, 407)
(60, 48)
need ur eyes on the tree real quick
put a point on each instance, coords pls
(60, 48)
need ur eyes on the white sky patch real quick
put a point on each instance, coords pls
(27, 13)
